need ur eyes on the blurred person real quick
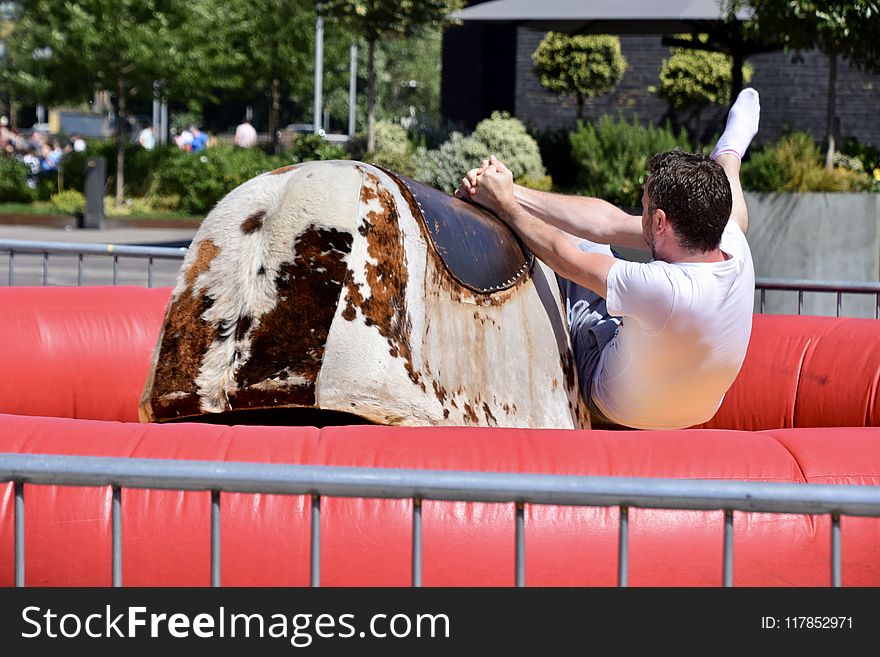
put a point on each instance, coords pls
(146, 138)
(6, 133)
(199, 139)
(75, 144)
(245, 134)
(184, 140)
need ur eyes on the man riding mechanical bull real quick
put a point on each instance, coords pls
(344, 288)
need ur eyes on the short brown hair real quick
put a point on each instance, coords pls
(694, 192)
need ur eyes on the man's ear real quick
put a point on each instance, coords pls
(659, 221)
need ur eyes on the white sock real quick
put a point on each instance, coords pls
(742, 125)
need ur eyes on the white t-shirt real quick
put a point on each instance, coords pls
(245, 135)
(682, 340)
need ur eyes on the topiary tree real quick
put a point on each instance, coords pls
(691, 80)
(583, 65)
(501, 135)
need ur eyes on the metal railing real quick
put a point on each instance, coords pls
(801, 286)
(418, 485)
(152, 253)
(46, 249)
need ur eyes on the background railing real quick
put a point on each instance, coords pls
(62, 263)
(418, 485)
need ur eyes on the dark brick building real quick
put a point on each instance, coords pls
(489, 67)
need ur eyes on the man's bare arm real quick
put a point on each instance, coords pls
(739, 212)
(561, 254)
(495, 190)
(583, 216)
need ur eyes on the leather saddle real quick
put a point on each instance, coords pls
(478, 249)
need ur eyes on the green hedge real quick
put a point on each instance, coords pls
(201, 179)
(612, 157)
(796, 164)
(13, 182)
(499, 135)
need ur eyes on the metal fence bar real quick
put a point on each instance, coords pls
(117, 537)
(80, 250)
(520, 548)
(417, 544)
(215, 538)
(623, 549)
(19, 533)
(800, 284)
(835, 550)
(728, 548)
(92, 248)
(393, 483)
(431, 484)
(839, 288)
(315, 574)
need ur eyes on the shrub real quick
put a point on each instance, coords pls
(508, 139)
(201, 179)
(13, 182)
(308, 147)
(868, 156)
(612, 157)
(795, 164)
(69, 202)
(394, 149)
(500, 135)
(555, 146)
(445, 166)
(73, 164)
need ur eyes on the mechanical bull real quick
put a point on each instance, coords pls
(348, 293)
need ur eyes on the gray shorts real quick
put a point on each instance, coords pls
(590, 328)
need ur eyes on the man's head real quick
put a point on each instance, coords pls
(694, 194)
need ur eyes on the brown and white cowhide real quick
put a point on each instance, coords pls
(322, 286)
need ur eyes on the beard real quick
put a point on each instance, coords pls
(649, 238)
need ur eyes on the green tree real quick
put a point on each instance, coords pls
(583, 65)
(62, 51)
(838, 28)
(276, 40)
(379, 20)
(691, 80)
(8, 14)
(407, 85)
